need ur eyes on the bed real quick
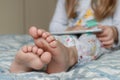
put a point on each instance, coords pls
(107, 67)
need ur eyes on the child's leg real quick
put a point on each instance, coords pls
(89, 48)
(62, 57)
(29, 58)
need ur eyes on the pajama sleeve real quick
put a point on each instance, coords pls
(59, 20)
(116, 21)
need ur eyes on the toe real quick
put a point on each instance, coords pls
(40, 32)
(24, 49)
(45, 35)
(39, 52)
(50, 39)
(53, 44)
(34, 49)
(46, 57)
(29, 48)
(33, 32)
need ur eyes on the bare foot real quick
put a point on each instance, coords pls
(29, 58)
(62, 56)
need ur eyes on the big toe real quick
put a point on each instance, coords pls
(46, 57)
(33, 32)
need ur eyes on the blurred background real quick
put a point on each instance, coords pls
(16, 16)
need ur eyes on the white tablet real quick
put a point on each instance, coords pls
(77, 32)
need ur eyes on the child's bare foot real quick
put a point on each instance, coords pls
(29, 58)
(62, 56)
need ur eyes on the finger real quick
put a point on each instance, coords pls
(107, 43)
(102, 27)
(105, 38)
(107, 46)
(99, 27)
(103, 34)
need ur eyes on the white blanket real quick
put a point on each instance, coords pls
(107, 67)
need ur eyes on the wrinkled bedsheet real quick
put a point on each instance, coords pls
(107, 67)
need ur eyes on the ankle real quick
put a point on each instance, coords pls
(72, 56)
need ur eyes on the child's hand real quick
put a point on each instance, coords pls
(107, 36)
